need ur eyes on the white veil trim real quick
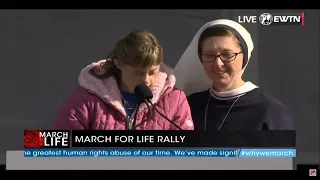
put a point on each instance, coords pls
(240, 91)
(190, 75)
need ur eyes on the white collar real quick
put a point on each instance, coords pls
(240, 91)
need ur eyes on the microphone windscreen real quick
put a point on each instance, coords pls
(143, 92)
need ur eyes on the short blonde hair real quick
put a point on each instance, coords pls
(138, 49)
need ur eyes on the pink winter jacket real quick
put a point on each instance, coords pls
(96, 105)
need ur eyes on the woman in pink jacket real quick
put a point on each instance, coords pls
(105, 99)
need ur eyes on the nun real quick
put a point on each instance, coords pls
(210, 72)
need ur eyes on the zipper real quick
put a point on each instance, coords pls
(128, 119)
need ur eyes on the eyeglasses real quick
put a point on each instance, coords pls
(224, 57)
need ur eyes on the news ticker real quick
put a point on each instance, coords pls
(99, 138)
(241, 153)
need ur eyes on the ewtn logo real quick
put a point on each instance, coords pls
(275, 19)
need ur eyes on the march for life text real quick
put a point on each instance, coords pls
(129, 139)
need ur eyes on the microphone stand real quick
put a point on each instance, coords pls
(145, 120)
(135, 117)
(145, 94)
(148, 100)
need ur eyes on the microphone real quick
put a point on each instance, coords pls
(144, 93)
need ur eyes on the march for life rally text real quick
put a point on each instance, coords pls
(129, 139)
